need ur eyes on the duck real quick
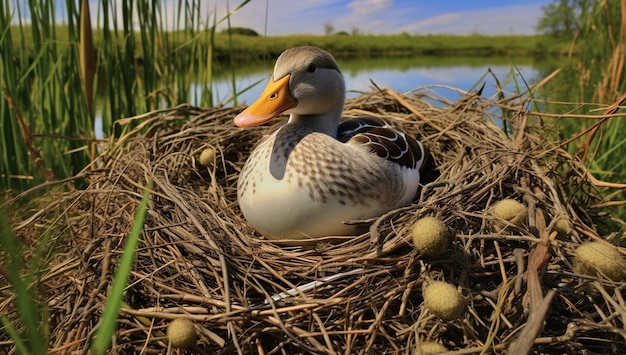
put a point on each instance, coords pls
(315, 172)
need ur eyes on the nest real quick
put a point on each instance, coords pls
(199, 259)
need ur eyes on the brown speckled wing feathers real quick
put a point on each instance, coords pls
(383, 140)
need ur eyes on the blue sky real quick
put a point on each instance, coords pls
(391, 16)
(368, 16)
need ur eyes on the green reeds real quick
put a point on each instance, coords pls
(86, 53)
(587, 86)
(602, 69)
(59, 74)
(29, 335)
(45, 92)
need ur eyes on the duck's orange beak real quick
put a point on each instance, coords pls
(274, 100)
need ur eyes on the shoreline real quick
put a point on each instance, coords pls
(244, 47)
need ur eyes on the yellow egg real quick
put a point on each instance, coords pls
(431, 348)
(181, 333)
(207, 157)
(562, 227)
(443, 300)
(511, 211)
(597, 257)
(430, 236)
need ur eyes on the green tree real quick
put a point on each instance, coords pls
(329, 28)
(563, 18)
(243, 31)
(598, 29)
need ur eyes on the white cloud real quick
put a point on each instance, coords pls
(515, 19)
(368, 7)
(435, 21)
(287, 17)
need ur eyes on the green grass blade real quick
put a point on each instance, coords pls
(108, 323)
(20, 346)
(86, 54)
(24, 298)
(244, 90)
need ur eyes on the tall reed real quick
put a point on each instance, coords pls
(131, 55)
(45, 92)
(588, 84)
(603, 70)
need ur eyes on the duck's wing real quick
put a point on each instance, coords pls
(384, 140)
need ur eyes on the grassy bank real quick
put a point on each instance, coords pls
(246, 47)
(240, 47)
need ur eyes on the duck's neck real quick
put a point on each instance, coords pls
(290, 134)
(322, 123)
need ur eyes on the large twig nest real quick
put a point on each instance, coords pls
(200, 260)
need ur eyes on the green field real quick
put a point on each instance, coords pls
(242, 47)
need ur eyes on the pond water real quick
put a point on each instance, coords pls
(402, 75)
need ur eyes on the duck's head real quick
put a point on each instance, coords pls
(306, 83)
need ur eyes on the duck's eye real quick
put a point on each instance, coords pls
(311, 68)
